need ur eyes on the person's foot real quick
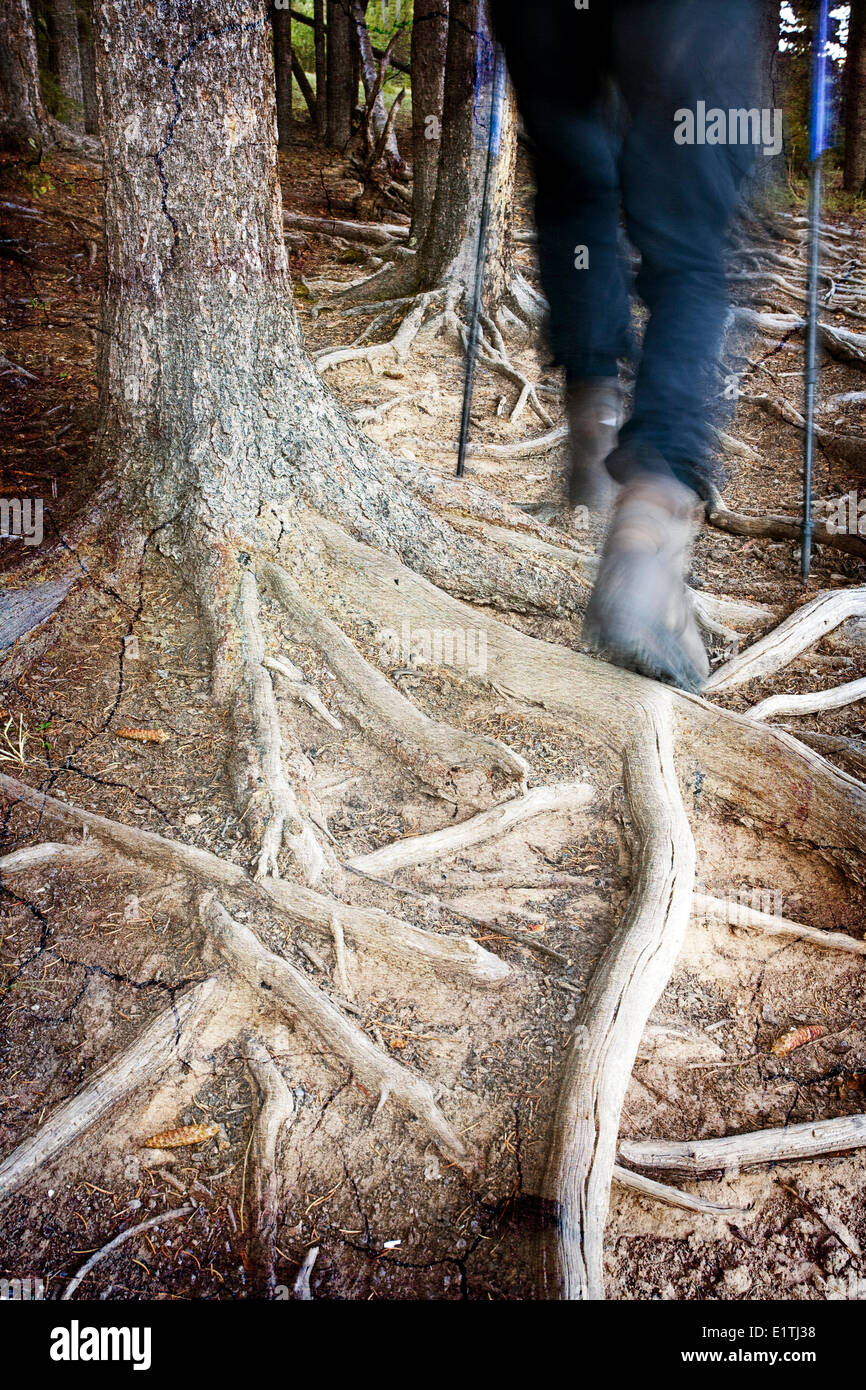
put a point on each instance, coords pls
(593, 408)
(640, 612)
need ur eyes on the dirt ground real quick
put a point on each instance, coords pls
(86, 960)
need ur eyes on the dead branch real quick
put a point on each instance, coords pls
(697, 1157)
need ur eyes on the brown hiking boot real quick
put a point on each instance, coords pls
(593, 408)
(640, 612)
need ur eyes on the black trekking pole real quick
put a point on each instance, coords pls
(497, 111)
(818, 142)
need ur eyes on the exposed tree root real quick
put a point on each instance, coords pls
(697, 1157)
(142, 1062)
(35, 856)
(277, 984)
(627, 982)
(439, 844)
(798, 632)
(710, 909)
(269, 803)
(394, 941)
(670, 1196)
(301, 688)
(760, 773)
(851, 750)
(274, 1109)
(782, 528)
(811, 703)
(457, 765)
(113, 1245)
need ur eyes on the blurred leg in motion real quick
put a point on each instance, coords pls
(559, 60)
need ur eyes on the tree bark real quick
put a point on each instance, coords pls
(65, 25)
(22, 115)
(369, 74)
(429, 45)
(88, 68)
(281, 20)
(448, 250)
(321, 69)
(854, 176)
(767, 171)
(339, 75)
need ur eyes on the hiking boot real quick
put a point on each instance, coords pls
(593, 408)
(640, 611)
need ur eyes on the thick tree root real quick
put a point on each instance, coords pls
(275, 983)
(274, 1109)
(627, 982)
(697, 1157)
(796, 634)
(271, 809)
(811, 703)
(396, 942)
(457, 765)
(142, 1062)
(439, 844)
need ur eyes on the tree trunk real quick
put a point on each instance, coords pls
(321, 69)
(447, 253)
(88, 69)
(854, 179)
(339, 78)
(281, 20)
(767, 171)
(369, 75)
(65, 25)
(429, 44)
(22, 116)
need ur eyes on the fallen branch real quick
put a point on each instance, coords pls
(696, 1157)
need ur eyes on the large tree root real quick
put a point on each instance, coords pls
(710, 909)
(697, 1157)
(629, 979)
(796, 634)
(396, 942)
(275, 981)
(144, 1060)
(459, 766)
(439, 844)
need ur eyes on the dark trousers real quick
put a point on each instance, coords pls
(598, 89)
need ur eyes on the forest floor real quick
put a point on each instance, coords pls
(85, 960)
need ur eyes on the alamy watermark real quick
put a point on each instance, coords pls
(21, 519)
(737, 126)
(464, 647)
(29, 1289)
(845, 515)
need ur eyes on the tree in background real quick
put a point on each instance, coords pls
(281, 21)
(64, 26)
(429, 44)
(854, 171)
(342, 88)
(23, 118)
(88, 69)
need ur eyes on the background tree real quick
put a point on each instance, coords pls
(281, 20)
(88, 68)
(342, 89)
(321, 69)
(429, 43)
(64, 24)
(23, 119)
(854, 172)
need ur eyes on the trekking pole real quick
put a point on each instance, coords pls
(818, 142)
(497, 111)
